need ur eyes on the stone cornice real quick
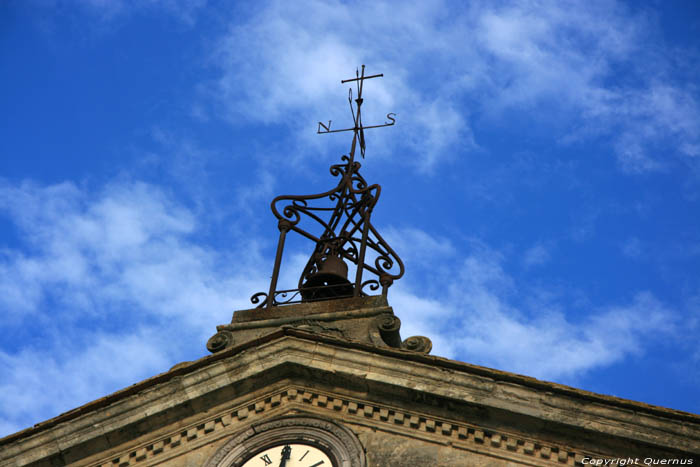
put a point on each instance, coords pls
(99, 422)
(280, 321)
(354, 411)
(504, 376)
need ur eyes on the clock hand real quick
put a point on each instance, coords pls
(286, 453)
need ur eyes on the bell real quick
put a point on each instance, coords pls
(331, 281)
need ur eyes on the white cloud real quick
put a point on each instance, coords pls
(480, 314)
(417, 246)
(583, 67)
(107, 279)
(552, 346)
(287, 61)
(36, 382)
(589, 60)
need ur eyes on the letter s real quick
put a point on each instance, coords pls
(389, 116)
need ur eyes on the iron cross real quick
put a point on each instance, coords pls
(358, 128)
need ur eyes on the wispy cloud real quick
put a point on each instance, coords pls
(481, 314)
(38, 383)
(106, 278)
(419, 247)
(633, 248)
(108, 10)
(565, 60)
(287, 60)
(536, 255)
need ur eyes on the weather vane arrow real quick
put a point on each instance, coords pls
(358, 128)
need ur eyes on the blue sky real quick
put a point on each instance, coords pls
(541, 184)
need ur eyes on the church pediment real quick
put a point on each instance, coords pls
(404, 398)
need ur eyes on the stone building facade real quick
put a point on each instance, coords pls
(334, 379)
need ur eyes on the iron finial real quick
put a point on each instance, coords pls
(344, 231)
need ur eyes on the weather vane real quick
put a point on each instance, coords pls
(358, 129)
(342, 215)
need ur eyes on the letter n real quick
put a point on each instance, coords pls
(327, 128)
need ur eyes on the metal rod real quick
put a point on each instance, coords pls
(361, 78)
(358, 128)
(361, 259)
(352, 149)
(276, 269)
(333, 131)
(377, 126)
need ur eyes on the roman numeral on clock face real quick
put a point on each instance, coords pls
(316, 464)
(266, 459)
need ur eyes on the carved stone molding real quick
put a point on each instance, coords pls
(220, 341)
(420, 344)
(384, 332)
(514, 447)
(363, 319)
(339, 442)
(388, 326)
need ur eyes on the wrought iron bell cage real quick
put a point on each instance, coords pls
(342, 219)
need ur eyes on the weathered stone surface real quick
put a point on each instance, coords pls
(363, 319)
(406, 408)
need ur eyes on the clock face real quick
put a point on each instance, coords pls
(290, 455)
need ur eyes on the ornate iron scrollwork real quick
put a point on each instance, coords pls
(340, 229)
